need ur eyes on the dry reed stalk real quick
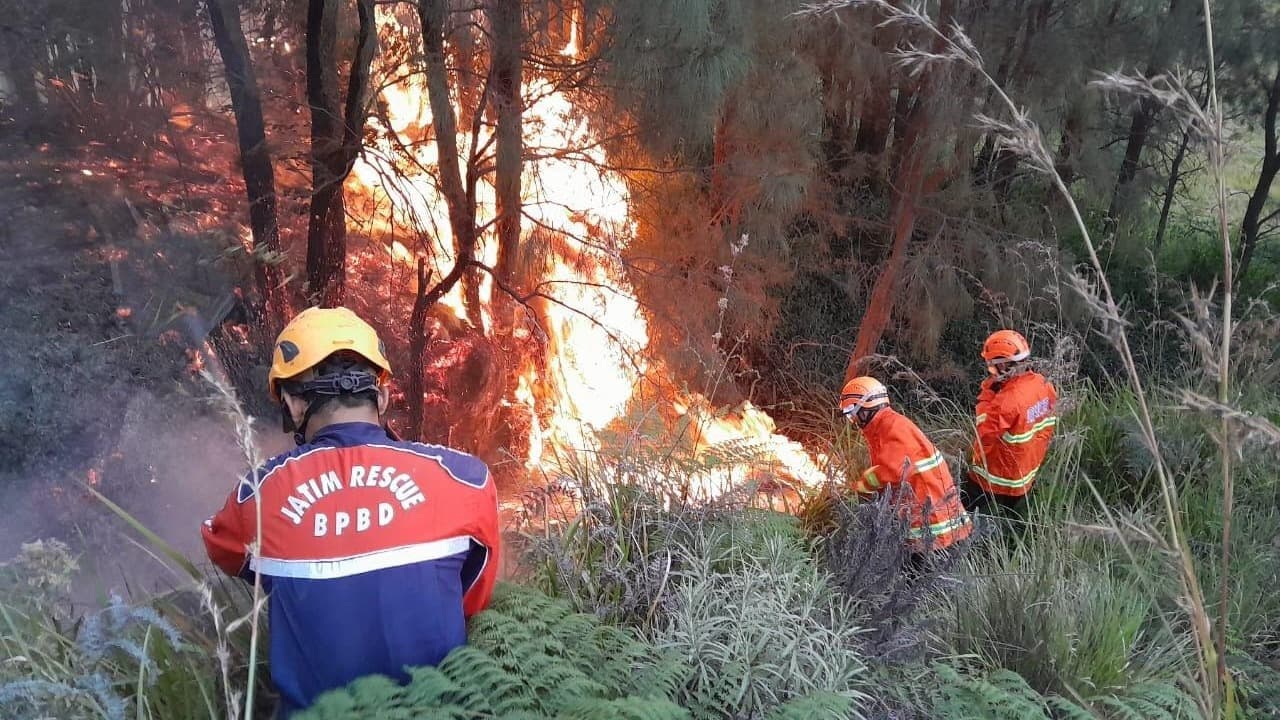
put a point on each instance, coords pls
(229, 404)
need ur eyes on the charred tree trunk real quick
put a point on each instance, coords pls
(418, 354)
(506, 17)
(464, 46)
(255, 160)
(336, 138)
(111, 73)
(459, 198)
(1251, 225)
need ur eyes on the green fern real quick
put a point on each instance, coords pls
(817, 706)
(1158, 700)
(1257, 685)
(529, 658)
(1004, 695)
(1063, 709)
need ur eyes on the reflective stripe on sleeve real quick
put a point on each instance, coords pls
(1005, 482)
(1027, 436)
(929, 463)
(941, 527)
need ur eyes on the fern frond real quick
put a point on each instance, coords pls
(529, 658)
(817, 706)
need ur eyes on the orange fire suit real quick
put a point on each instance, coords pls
(1015, 421)
(900, 452)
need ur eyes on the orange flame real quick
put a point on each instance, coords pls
(597, 334)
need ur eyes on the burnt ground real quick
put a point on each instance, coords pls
(111, 275)
(100, 298)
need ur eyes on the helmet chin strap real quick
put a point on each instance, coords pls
(867, 414)
(1004, 372)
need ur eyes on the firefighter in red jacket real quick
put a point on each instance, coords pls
(373, 550)
(1015, 419)
(900, 453)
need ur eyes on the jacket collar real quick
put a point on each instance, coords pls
(348, 434)
(878, 420)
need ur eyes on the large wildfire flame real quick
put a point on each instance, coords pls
(596, 333)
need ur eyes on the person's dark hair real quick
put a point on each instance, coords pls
(343, 361)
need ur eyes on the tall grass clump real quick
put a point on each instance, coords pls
(188, 653)
(736, 591)
(762, 625)
(1070, 616)
(121, 660)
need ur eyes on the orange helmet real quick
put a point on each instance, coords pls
(315, 334)
(1005, 346)
(861, 393)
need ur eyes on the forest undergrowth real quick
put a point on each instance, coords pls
(647, 605)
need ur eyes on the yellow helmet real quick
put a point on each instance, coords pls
(316, 333)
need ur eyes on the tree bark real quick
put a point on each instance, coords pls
(725, 208)
(910, 184)
(1013, 68)
(906, 195)
(418, 353)
(506, 17)
(1144, 118)
(1144, 115)
(255, 160)
(1070, 145)
(1250, 226)
(1175, 174)
(460, 201)
(877, 108)
(336, 140)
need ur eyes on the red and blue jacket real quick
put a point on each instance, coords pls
(374, 552)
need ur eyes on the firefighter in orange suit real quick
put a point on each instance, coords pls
(1015, 420)
(901, 453)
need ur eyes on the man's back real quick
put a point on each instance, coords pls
(898, 447)
(1015, 424)
(374, 552)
